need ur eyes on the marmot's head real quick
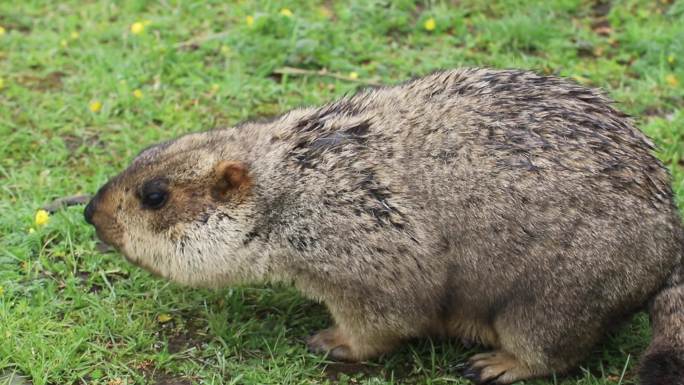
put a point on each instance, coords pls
(182, 210)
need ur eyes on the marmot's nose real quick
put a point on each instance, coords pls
(92, 205)
(88, 212)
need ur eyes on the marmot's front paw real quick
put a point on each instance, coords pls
(332, 342)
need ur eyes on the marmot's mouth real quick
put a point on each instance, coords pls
(105, 240)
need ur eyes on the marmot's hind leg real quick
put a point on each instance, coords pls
(535, 341)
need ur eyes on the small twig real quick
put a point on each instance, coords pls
(201, 39)
(58, 203)
(324, 73)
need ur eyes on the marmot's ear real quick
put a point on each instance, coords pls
(231, 176)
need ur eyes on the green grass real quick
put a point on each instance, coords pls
(70, 314)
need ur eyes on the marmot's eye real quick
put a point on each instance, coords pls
(154, 194)
(154, 200)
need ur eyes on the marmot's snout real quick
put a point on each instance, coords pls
(98, 214)
(92, 207)
(88, 212)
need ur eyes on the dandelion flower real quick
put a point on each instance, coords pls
(353, 75)
(138, 94)
(74, 35)
(164, 318)
(430, 24)
(672, 80)
(95, 106)
(249, 20)
(137, 28)
(580, 79)
(325, 12)
(286, 12)
(42, 217)
(2, 30)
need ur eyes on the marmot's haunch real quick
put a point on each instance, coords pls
(519, 211)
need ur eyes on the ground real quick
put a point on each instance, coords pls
(84, 85)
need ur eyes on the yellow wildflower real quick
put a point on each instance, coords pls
(95, 106)
(138, 94)
(430, 24)
(2, 30)
(164, 318)
(671, 59)
(353, 75)
(42, 217)
(325, 12)
(249, 20)
(672, 80)
(74, 35)
(580, 79)
(286, 12)
(137, 28)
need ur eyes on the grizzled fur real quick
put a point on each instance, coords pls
(519, 211)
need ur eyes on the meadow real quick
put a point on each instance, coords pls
(85, 85)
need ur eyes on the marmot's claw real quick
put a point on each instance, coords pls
(314, 346)
(328, 342)
(472, 374)
(340, 353)
(495, 368)
(475, 375)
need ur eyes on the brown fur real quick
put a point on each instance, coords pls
(520, 211)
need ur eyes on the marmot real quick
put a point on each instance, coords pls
(520, 211)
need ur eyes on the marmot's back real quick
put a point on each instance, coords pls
(454, 132)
